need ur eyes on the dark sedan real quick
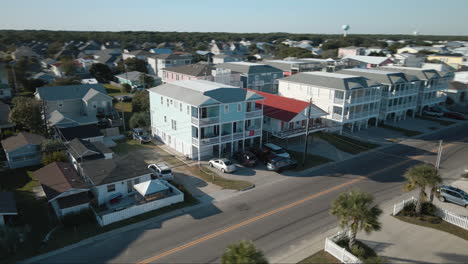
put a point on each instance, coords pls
(246, 158)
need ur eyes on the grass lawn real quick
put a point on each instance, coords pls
(222, 182)
(128, 145)
(442, 226)
(320, 257)
(35, 214)
(346, 144)
(310, 161)
(406, 132)
(113, 90)
(441, 122)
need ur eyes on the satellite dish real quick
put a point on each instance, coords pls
(345, 28)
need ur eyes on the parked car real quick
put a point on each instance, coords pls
(280, 164)
(454, 195)
(125, 98)
(277, 150)
(429, 112)
(454, 115)
(162, 171)
(141, 135)
(246, 158)
(224, 165)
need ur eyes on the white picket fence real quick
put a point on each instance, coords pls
(452, 218)
(399, 206)
(338, 252)
(447, 216)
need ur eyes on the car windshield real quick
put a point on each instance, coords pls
(279, 151)
(167, 171)
(227, 163)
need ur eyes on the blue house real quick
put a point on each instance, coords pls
(23, 150)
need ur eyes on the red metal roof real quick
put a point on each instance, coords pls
(280, 107)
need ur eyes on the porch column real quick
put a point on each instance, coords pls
(414, 113)
(341, 129)
(352, 127)
(367, 123)
(395, 117)
(359, 125)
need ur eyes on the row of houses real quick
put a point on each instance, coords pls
(201, 118)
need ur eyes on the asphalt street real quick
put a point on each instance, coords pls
(274, 216)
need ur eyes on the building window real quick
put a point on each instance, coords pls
(239, 107)
(165, 119)
(162, 100)
(167, 102)
(188, 110)
(180, 107)
(226, 108)
(111, 188)
(136, 181)
(174, 124)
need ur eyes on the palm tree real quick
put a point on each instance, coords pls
(421, 176)
(355, 212)
(243, 252)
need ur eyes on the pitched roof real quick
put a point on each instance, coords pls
(82, 132)
(104, 171)
(198, 69)
(201, 92)
(67, 92)
(7, 203)
(150, 187)
(173, 56)
(141, 53)
(458, 86)
(367, 59)
(284, 108)
(131, 76)
(57, 118)
(249, 67)
(422, 74)
(22, 139)
(79, 148)
(73, 200)
(330, 80)
(4, 113)
(58, 177)
(377, 75)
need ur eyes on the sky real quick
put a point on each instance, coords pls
(429, 17)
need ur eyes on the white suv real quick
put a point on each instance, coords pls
(162, 171)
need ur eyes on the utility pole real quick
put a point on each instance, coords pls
(307, 132)
(439, 155)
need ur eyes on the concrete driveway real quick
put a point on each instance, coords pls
(377, 135)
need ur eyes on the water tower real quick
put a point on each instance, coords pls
(345, 29)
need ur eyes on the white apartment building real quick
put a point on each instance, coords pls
(399, 95)
(203, 119)
(351, 101)
(433, 85)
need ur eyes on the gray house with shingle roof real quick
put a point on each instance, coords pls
(351, 101)
(399, 95)
(23, 150)
(255, 76)
(204, 119)
(74, 105)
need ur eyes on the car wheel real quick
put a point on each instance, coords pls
(211, 164)
(442, 199)
(222, 170)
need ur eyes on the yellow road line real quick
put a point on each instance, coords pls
(280, 209)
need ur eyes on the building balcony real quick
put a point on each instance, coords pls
(255, 113)
(400, 93)
(399, 107)
(362, 99)
(205, 121)
(226, 138)
(435, 100)
(299, 131)
(253, 132)
(238, 135)
(206, 141)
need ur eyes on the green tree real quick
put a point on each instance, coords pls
(355, 213)
(243, 252)
(30, 85)
(50, 145)
(140, 101)
(141, 119)
(132, 64)
(377, 54)
(421, 176)
(101, 72)
(253, 49)
(68, 67)
(56, 156)
(65, 81)
(146, 80)
(26, 114)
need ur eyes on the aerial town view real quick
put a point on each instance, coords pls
(234, 132)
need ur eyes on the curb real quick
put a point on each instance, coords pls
(110, 233)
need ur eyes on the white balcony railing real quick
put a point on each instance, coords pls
(226, 138)
(254, 113)
(206, 141)
(238, 135)
(205, 121)
(299, 131)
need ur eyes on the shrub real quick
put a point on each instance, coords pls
(126, 88)
(358, 251)
(56, 156)
(428, 209)
(7, 133)
(85, 216)
(375, 260)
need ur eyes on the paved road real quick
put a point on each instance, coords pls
(274, 216)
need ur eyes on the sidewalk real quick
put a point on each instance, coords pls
(401, 242)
